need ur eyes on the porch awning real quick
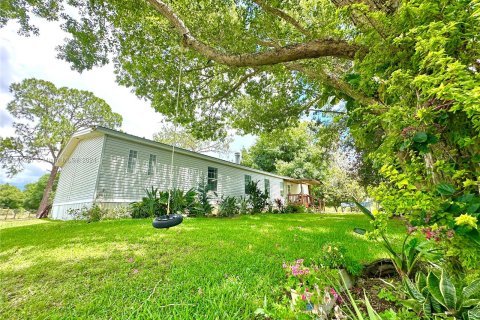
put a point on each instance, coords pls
(312, 182)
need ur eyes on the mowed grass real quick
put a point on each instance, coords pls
(201, 269)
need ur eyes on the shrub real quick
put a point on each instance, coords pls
(155, 203)
(295, 208)
(335, 256)
(257, 199)
(93, 214)
(203, 207)
(228, 206)
(279, 204)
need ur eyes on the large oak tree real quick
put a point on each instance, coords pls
(45, 117)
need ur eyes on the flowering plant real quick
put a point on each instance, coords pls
(304, 285)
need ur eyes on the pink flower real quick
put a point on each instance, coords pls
(299, 261)
(284, 265)
(304, 297)
(135, 271)
(130, 260)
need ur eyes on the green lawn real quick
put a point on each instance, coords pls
(125, 269)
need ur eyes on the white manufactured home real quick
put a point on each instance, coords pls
(111, 168)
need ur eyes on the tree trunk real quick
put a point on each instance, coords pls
(42, 211)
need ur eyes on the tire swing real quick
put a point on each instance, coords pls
(171, 220)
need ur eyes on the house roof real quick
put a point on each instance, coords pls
(99, 131)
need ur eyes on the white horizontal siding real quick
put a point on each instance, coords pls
(115, 182)
(65, 211)
(78, 176)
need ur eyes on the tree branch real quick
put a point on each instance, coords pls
(283, 15)
(308, 50)
(335, 83)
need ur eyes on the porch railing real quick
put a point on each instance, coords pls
(299, 198)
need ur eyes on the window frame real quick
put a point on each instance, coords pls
(246, 182)
(132, 161)
(282, 189)
(212, 181)
(265, 183)
(152, 165)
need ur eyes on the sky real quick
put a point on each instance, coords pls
(35, 57)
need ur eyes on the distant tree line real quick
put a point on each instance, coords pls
(30, 198)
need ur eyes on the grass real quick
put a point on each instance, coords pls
(125, 269)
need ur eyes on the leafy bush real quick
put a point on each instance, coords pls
(203, 207)
(295, 208)
(228, 206)
(150, 205)
(279, 205)
(335, 256)
(436, 293)
(93, 214)
(257, 199)
(155, 203)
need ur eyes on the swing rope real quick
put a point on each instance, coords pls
(175, 131)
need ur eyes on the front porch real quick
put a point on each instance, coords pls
(299, 193)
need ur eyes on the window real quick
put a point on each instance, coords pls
(132, 161)
(282, 189)
(248, 179)
(289, 189)
(152, 164)
(266, 183)
(212, 178)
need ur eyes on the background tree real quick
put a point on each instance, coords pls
(183, 138)
(45, 118)
(299, 152)
(10, 197)
(33, 192)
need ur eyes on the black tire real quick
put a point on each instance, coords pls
(167, 221)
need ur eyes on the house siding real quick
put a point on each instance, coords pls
(78, 178)
(116, 184)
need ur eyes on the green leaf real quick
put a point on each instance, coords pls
(364, 210)
(448, 290)
(420, 137)
(446, 189)
(372, 314)
(474, 314)
(470, 303)
(413, 292)
(433, 284)
(472, 290)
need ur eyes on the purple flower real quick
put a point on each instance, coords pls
(299, 261)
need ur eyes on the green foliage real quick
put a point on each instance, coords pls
(45, 118)
(11, 197)
(334, 256)
(34, 192)
(295, 208)
(256, 198)
(155, 203)
(411, 252)
(204, 206)
(183, 138)
(295, 152)
(228, 206)
(436, 293)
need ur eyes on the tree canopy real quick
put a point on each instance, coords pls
(10, 197)
(45, 117)
(298, 152)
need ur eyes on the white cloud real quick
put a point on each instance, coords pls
(35, 57)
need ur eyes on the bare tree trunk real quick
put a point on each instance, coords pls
(42, 211)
